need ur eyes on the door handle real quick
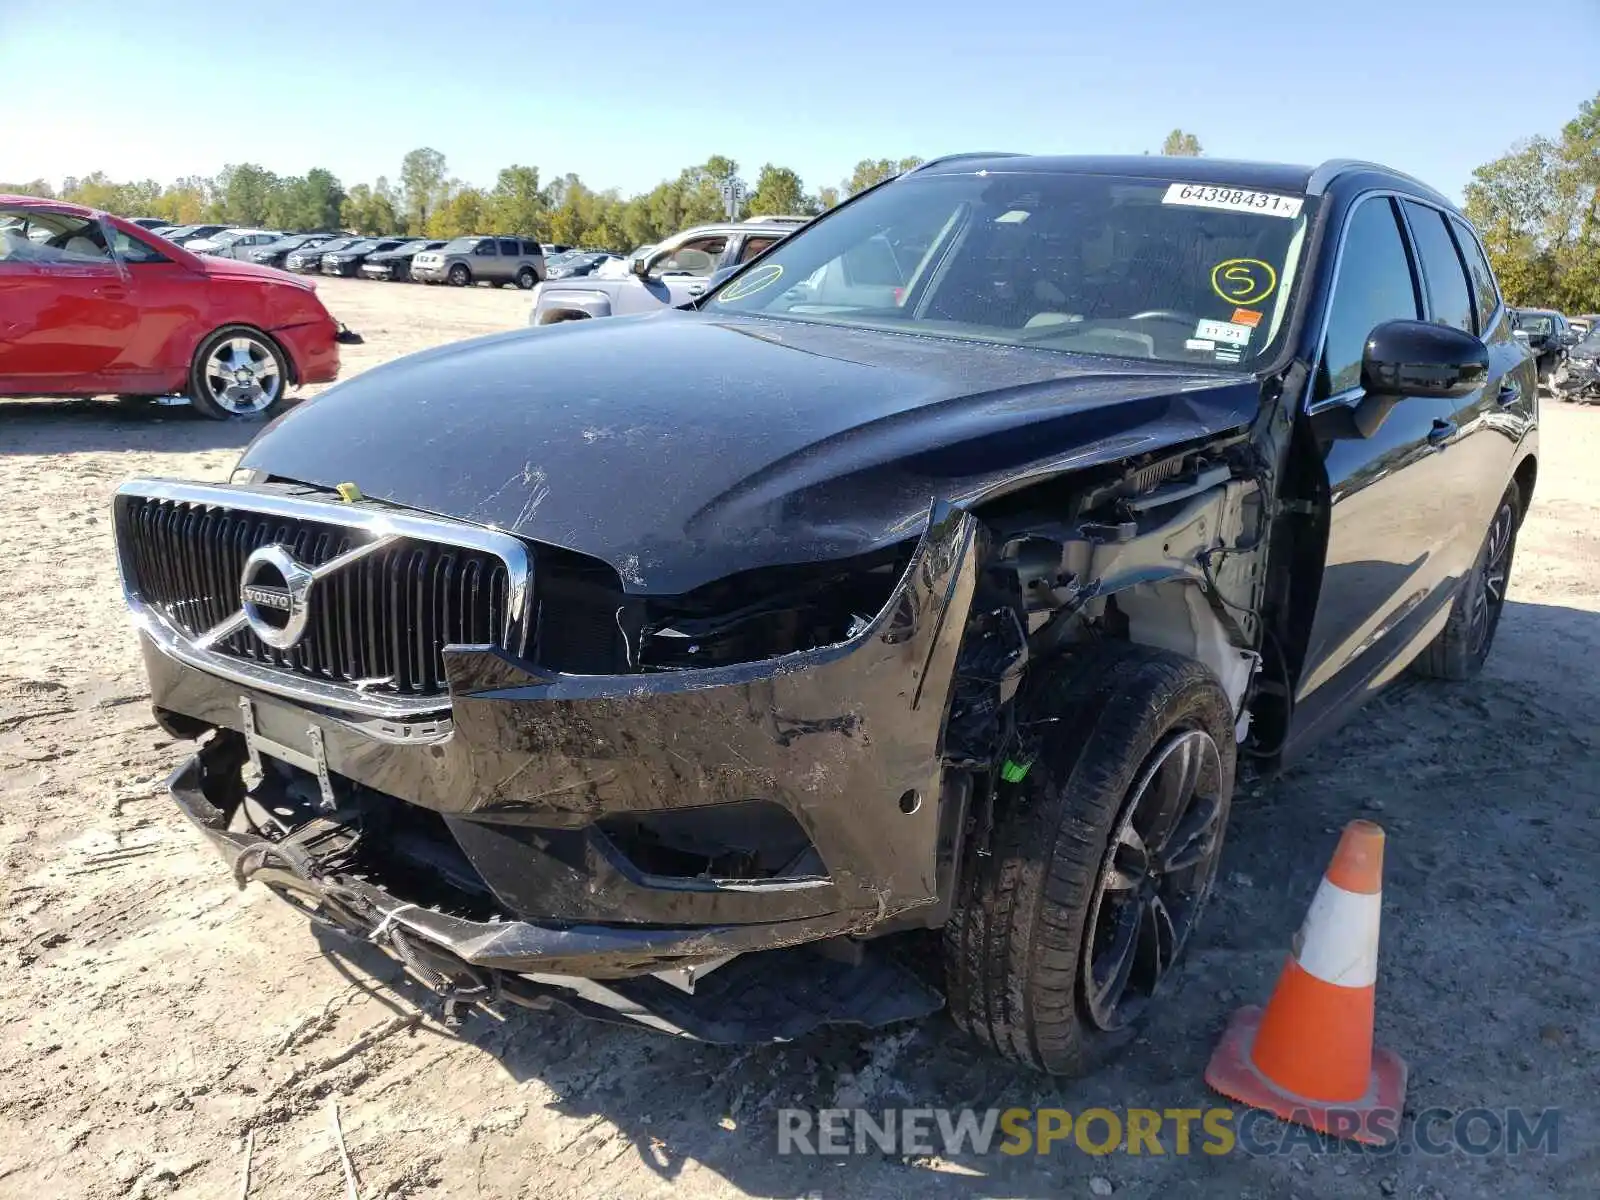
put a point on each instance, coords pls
(1442, 431)
(112, 292)
(1510, 392)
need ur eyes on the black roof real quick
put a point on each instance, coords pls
(1229, 172)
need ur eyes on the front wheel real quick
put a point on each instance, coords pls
(459, 275)
(1462, 646)
(239, 374)
(1102, 857)
(526, 278)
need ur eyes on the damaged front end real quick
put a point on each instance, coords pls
(456, 759)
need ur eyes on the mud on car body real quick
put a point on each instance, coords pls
(933, 572)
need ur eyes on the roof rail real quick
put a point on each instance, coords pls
(950, 158)
(1323, 176)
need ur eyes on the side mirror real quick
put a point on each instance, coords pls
(641, 267)
(1416, 358)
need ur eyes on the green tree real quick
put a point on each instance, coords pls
(467, 210)
(422, 186)
(827, 197)
(779, 193)
(366, 211)
(1179, 144)
(875, 170)
(517, 203)
(36, 187)
(246, 192)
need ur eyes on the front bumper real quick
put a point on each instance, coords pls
(770, 997)
(432, 273)
(526, 767)
(314, 348)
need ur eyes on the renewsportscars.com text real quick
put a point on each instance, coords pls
(1150, 1131)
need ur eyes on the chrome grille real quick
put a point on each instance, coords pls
(380, 622)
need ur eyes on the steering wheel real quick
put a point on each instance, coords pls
(1165, 314)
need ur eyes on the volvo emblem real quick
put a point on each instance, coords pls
(275, 594)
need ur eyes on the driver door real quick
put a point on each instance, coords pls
(67, 311)
(1387, 578)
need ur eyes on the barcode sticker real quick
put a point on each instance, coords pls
(1266, 204)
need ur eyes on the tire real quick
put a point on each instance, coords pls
(254, 352)
(526, 278)
(1463, 645)
(1020, 939)
(459, 275)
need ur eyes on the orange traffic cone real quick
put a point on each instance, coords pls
(1308, 1056)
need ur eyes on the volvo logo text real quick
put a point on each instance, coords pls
(275, 594)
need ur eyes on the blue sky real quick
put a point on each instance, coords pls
(629, 95)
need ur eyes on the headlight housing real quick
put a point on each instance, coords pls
(771, 611)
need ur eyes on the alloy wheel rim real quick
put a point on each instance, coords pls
(1154, 878)
(1490, 594)
(242, 376)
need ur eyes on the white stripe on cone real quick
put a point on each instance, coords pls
(1339, 941)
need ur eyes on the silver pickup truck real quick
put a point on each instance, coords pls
(674, 272)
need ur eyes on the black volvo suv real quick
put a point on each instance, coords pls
(934, 570)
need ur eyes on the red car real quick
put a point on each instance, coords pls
(91, 304)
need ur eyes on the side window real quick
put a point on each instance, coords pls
(1449, 299)
(131, 250)
(698, 256)
(49, 238)
(485, 248)
(754, 246)
(1374, 286)
(508, 247)
(531, 248)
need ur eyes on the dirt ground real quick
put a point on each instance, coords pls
(154, 1021)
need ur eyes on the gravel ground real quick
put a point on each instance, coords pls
(151, 1017)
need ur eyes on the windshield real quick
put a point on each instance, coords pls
(463, 245)
(1089, 263)
(1532, 323)
(1590, 343)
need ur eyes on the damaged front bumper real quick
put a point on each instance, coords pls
(538, 790)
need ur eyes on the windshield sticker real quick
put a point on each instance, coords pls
(1243, 280)
(1246, 316)
(1266, 204)
(1223, 331)
(752, 283)
(1199, 344)
(1226, 355)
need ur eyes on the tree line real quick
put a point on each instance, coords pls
(1538, 210)
(425, 200)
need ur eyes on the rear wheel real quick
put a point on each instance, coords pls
(1101, 860)
(459, 275)
(1462, 646)
(239, 374)
(526, 278)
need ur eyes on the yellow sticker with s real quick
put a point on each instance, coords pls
(749, 285)
(1244, 280)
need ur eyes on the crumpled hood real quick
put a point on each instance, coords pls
(680, 448)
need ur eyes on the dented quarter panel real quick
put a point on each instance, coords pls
(809, 442)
